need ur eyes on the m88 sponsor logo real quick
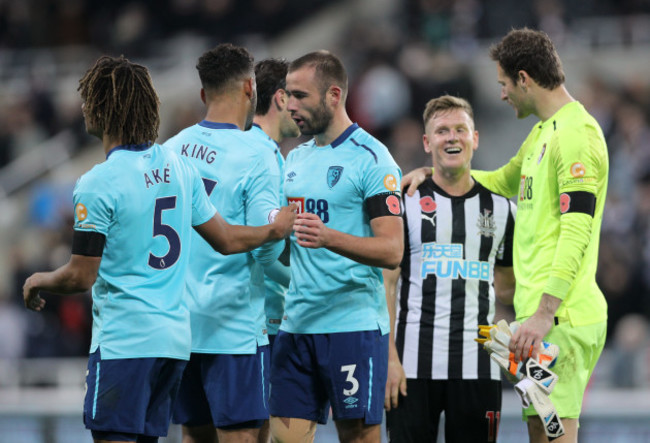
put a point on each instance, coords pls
(526, 188)
(320, 206)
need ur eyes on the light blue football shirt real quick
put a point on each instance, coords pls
(226, 316)
(328, 292)
(273, 291)
(144, 200)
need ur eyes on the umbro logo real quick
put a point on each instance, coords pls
(351, 402)
(290, 176)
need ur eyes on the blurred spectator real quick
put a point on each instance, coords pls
(382, 95)
(405, 144)
(631, 353)
(13, 328)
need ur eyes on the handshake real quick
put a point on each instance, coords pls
(533, 379)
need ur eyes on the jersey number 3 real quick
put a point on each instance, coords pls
(350, 379)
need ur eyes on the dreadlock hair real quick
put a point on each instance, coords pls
(270, 75)
(120, 100)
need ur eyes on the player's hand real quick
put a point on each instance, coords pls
(415, 178)
(284, 219)
(395, 384)
(310, 231)
(32, 300)
(526, 340)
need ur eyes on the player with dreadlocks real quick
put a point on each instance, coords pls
(119, 98)
(134, 214)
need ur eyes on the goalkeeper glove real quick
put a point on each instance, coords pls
(533, 379)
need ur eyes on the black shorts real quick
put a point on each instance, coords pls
(472, 411)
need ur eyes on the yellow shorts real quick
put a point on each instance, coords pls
(580, 348)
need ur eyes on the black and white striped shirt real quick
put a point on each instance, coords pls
(451, 247)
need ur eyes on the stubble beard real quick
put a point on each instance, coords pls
(320, 121)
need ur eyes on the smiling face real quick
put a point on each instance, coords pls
(307, 103)
(451, 140)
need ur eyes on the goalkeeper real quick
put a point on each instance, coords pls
(560, 177)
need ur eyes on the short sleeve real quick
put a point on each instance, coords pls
(381, 176)
(94, 205)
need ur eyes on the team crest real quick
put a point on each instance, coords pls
(486, 225)
(541, 154)
(334, 175)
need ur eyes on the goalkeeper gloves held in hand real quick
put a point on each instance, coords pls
(533, 379)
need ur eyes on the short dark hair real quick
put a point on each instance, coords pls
(270, 75)
(446, 103)
(531, 51)
(119, 98)
(329, 69)
(223, 64)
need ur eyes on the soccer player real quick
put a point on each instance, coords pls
(225, 385)
(271, 125)
(559, 177)
(133, 219)
(458, 238)
(332, 347)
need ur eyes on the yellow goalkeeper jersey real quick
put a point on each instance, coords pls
(559, 177)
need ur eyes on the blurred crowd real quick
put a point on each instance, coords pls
(420, 50)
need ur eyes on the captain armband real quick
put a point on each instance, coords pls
(90, 244)
(578, 201)
(386, 203)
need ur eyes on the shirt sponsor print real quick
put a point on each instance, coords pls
(390, 182)
(80, 212)
(299, 201)
(446, 261)
(578, 170)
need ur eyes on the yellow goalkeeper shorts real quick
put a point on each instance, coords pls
(580, 348)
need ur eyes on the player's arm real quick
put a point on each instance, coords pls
(504, 284)
(504, 181)
(262, 185)
(415, 178)
(578, 169)
(396, 381)
(76, 276)
(231, 239)
(384, 249)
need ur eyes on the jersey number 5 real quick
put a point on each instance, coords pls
(159, 228)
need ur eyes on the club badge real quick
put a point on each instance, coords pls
(334, 175)
(486, 225)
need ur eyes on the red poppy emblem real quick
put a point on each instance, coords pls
(427, 204)
(393, 204)
(565, 202)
